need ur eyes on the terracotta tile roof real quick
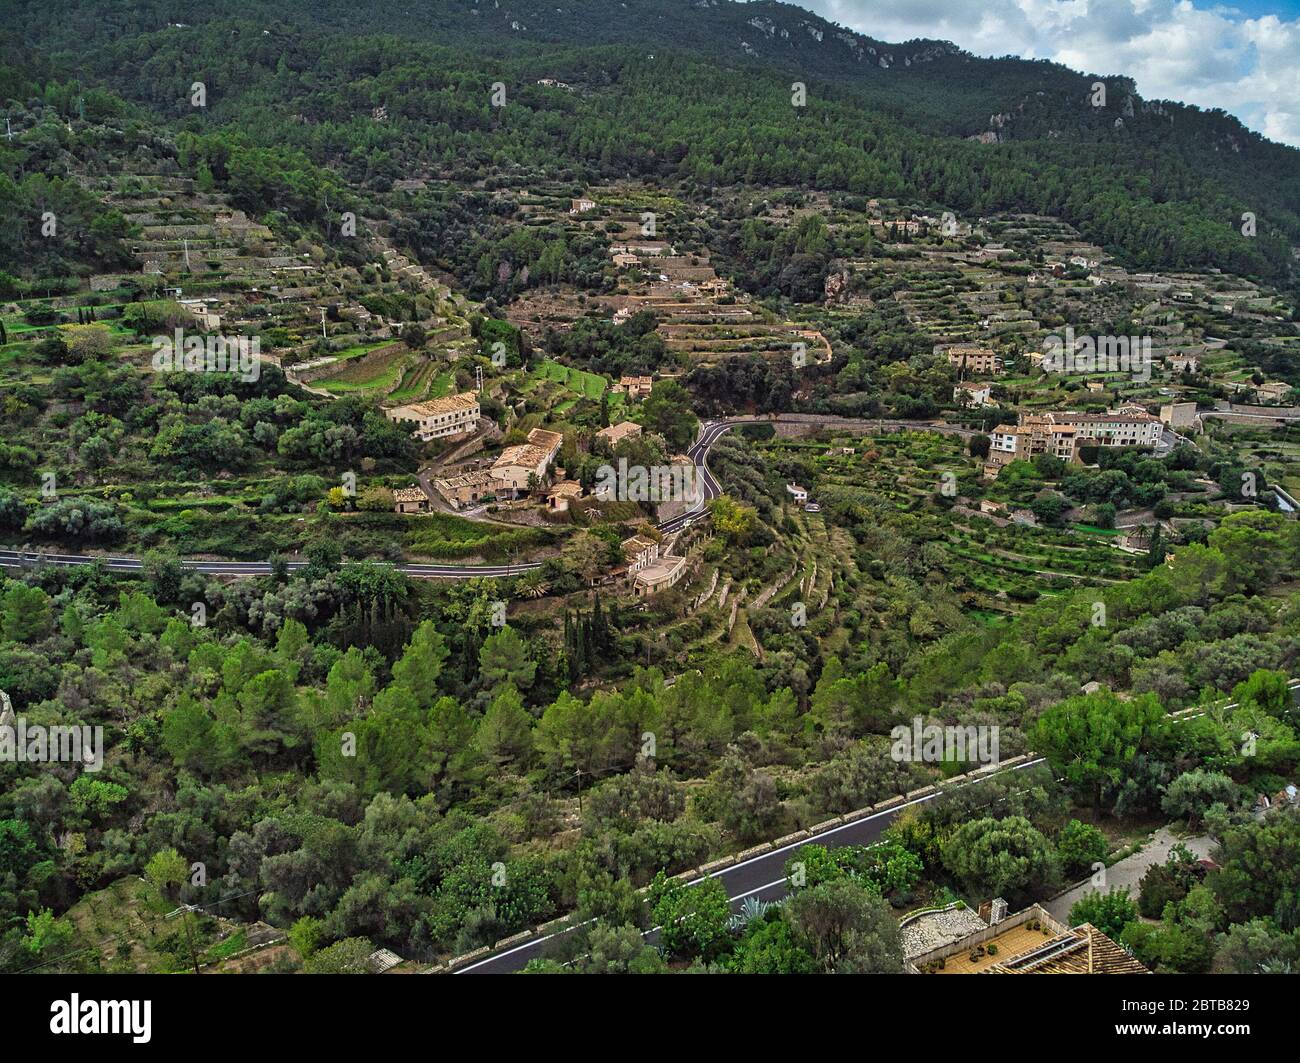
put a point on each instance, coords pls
(540, 437)
(615, 433)
(447, 404)
(524, 454)
(1082, 950)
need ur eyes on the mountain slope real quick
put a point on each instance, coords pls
(695, 90)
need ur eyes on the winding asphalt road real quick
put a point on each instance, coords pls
(710, 433)
(761, 876)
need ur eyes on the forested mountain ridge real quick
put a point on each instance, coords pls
(1163, 184)
(954, 90)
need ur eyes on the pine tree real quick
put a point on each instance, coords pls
(580, 645)
(599, 627)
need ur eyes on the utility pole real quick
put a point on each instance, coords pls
(9, 129)
(185, 910)
(186, 245)
(478, 378)
(322, 324)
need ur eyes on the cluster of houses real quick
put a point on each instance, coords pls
(520, 468)
(1061, 434)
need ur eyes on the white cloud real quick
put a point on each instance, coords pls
(1211, 56)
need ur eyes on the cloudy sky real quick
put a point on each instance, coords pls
(1243, 57)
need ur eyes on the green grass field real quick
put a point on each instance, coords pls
(587, 385)
(381, 374)
(422, 381)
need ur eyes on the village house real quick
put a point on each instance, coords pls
(1273, 391)
(800, 493)
(581, 205)
(973, 393)
(448, 416)
(973, 359)
(652, 249)
(958, 941)
(634, 387)
(897, 225)
(1183, 363)
(616, 433)
(468, 488)
(639, 552)
(410, 500)
(564, 492)
(625, 260)
(518, 465)
(206, 319)
(658, 576)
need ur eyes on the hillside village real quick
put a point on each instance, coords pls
(624, 521)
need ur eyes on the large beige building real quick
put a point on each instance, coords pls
(1129, 426)
(973, 359)
(1010, 443)
(449, 416)
(1062, 433)
(518, 464)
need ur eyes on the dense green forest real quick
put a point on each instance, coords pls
(332, 756)
(364, 760)
(288, 105)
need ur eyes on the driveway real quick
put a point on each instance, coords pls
(1128, 872)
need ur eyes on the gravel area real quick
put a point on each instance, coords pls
(935, 929)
